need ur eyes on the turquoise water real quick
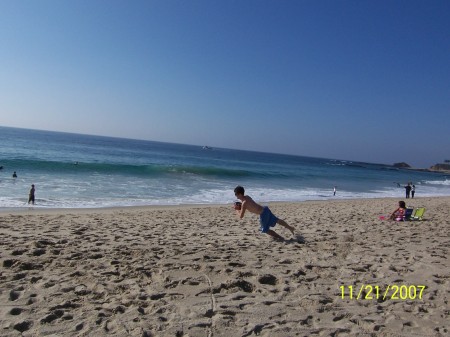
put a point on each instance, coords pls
(77, 171)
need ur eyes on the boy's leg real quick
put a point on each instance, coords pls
(275, 235)
(285, 225)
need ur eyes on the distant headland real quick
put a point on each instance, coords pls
(440, 167)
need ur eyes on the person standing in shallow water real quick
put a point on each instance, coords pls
(266, 217)
(31, 195)
(408, 190)
(413, 191)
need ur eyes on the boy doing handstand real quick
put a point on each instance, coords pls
(266, 217)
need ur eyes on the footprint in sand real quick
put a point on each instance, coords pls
(23, 326)
(14, 295)
(15, 311)
(268, 279)
(52, 316)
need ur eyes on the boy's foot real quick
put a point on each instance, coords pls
(300, 239)
(277, 239)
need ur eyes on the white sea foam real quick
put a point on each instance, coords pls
(445, 182)
(215, 196)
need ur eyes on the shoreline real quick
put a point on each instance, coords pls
(83, 210)
(199, 270)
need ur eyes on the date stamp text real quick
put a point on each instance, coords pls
(388, 292)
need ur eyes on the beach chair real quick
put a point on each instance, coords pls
(401, 217)
(408, 213)
(418, 214)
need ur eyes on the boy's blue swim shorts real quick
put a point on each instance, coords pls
(267, 219)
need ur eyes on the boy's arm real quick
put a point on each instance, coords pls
(241, 212)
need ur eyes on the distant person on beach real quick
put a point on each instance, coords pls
(334, 190)
(413, 191)
(31, 196)
(266, 217)
(408, 190)
(399, 213)
(14, 174)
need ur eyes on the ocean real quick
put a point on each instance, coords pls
(83, 171)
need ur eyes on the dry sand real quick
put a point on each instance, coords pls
(199, 271)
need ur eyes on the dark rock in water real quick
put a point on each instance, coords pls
(440, 167)
(402, 165)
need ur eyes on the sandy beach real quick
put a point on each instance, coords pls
(200, 271)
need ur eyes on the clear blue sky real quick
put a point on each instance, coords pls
(356, 80)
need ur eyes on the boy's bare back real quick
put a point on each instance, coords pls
(251, 206)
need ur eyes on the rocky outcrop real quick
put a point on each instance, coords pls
(402, 165)
(440, 167)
